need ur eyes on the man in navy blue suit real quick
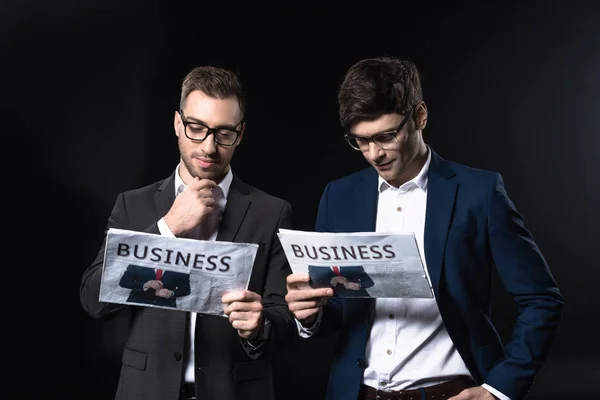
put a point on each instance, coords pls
(155, 286)
(465, 225)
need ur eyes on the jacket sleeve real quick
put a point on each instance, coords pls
(281, 326)
(331, 318)
(526, 276)
(89, 290)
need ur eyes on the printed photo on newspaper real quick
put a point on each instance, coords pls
(152, 270)
(360, 264)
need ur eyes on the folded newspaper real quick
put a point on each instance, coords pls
(173, 273)
(360, 264)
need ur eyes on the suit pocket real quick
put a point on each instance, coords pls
(251, 370)
(134, 359)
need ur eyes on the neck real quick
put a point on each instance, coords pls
(415, 166)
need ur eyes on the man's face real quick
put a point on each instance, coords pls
(207, 159)
(395, 162)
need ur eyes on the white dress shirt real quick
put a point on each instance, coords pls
(224, 185)
(408, 346)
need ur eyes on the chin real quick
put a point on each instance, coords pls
(205, 175)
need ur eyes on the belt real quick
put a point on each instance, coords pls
(435, 392)
(188, 392)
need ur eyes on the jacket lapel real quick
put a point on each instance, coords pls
(364, 212)
(238, 202)
(441, 196)
(364, 219)
(165, 196)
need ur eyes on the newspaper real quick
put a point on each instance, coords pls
(360, 264)
(173, 273)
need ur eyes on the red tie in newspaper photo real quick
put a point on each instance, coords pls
(159, 273)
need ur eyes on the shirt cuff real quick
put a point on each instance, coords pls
(262, 336)
(306, 332)
(495, 392)
(163, 228)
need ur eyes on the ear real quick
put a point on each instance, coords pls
(421, 116)
(177, 123)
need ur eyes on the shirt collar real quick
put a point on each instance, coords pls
(420, 180)
(225, 183)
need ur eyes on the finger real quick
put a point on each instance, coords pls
(244, 306)
(194, 184)
(241, 295)
(294, 279)
(206, 194)
(308, 294)
(234, 316)
(232, 296)
(252, 296)
(244, 325)
(208, 202)
(305, 305)
(206, 184)
(238, 315)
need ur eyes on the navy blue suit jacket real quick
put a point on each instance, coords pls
(471, 226)
(136, 276)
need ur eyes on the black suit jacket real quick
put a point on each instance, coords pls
(135, 276)
(154, 354)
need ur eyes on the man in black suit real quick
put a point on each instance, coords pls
(174, 355)
(154, 286)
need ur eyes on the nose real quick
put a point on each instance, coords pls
(208, 146)
(375, 152)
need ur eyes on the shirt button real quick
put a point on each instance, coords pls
(177, 356)
(391, 316)
(389, 352)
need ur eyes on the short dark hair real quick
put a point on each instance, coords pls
(376, 86)
(214, 82)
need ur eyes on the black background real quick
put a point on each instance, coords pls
(89, 89)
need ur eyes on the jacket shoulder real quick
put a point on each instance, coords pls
(477, 176)
(350, 182)
(267, 198)
(146, 190)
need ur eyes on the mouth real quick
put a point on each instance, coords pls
(205, 163)
(383, 166)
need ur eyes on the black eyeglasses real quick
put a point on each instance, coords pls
(385, 140)
(198, 132)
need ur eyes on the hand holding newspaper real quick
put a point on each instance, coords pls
(176, 273)
(360, 264)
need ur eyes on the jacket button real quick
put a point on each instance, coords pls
(177, 356)
(359, 362)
